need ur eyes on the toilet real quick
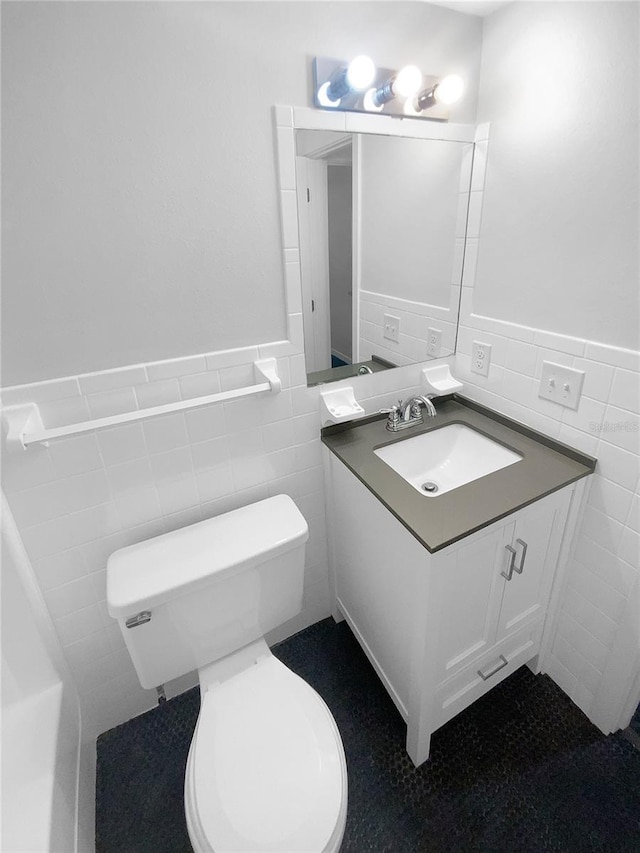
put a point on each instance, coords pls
(266, 769)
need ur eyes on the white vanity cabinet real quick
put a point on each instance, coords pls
(441, 629)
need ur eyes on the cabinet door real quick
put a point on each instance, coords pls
(470, 587)
(536, 541)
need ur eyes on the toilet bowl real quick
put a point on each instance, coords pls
(266, 769)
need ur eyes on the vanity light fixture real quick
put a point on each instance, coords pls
(360, 87)
(354, 77)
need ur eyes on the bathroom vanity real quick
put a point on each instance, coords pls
(448, 593)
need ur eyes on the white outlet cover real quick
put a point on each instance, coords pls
(561, 384)
(434, 342)
(480, 358)
(391, 327)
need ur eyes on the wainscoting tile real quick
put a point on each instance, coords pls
(175, 368)
(111, 380)
(121, 443)
(157, 393)
(165, 432)
(109, 403)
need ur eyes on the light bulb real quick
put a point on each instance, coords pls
(409, 108)
(407, 81)
(323, 96)
(448, 90)
(361, 72)
(370, 103)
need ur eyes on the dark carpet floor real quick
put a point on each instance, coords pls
(520, 770)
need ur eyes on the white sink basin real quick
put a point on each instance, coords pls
(441, 460)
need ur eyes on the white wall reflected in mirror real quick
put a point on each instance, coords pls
(381, 227)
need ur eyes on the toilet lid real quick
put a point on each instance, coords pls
(269, 770)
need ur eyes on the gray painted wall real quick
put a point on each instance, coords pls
(139, 195)
(559, 238)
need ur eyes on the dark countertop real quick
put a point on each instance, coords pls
(437, 521)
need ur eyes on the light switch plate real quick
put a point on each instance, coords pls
(561, 384)
(391, 328)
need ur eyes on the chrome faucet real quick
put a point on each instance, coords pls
(411, 409)
(409, 413)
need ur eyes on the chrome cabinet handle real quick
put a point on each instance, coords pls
(511, 566)
(523, 556)
(502, 662)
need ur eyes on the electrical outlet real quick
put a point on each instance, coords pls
(480, 358)
(561, 384)
(434, 342)
(391, 327)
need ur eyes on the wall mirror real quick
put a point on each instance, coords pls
(381, 225)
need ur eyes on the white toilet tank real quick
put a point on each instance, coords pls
(199, 593)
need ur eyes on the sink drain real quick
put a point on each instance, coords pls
(429, 487)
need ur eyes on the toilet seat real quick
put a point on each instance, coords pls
(266, 771)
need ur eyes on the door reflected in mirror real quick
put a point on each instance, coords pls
(382, 223)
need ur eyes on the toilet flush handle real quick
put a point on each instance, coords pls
(139, 619)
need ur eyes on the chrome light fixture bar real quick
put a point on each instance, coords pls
(358, 86)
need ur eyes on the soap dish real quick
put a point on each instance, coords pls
(339, 405)
(438, 380)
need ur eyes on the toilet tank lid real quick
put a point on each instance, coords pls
(144, 575)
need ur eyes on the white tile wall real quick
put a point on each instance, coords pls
(84, 497)
(415, 320)
(607, 555)
(606, 559)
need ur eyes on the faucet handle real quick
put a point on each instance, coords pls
(394, 415)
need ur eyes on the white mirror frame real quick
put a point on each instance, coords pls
(288, 119)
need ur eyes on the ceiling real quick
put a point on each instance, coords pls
(472, 7)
